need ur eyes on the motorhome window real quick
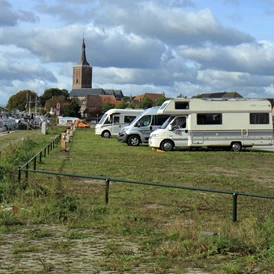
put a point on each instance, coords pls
(167, 121)
(102, 119)
(163, 105)
(158, 120)
(181, 105)
(179, 122)
(116, 120)
(129, 119)
(259, 118)
(209, 119)
(144, 121)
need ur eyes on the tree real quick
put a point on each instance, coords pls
(53, 92)
(107, 106)
(146, 103)
(21, 100)
(122, 104)
(51, 103)
(71, 110)
(180, 96)
(160, 101)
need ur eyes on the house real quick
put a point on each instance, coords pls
(92, 105)
(153, 96)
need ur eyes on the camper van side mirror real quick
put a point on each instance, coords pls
(169, 127)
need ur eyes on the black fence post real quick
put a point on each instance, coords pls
(40, 156)
(27, 174)
(107, 191)
(34, 163)
(19, 174)
(45, 152)
(235, 196)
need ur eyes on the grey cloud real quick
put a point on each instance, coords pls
(104, 48)
(255, 58)
(173, 26)
(22, 72)
(10, 17)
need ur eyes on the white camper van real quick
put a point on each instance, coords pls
(114, 119)
(139, 130)
(230, 124)
(66, 121)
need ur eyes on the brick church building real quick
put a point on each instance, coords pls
(90, 99)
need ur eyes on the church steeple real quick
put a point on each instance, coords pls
(83, 60)
(82, 71)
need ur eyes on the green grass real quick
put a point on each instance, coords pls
(169, 225)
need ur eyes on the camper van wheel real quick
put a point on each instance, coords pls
(106, 134)
(133, 140)
(167, 145)
(236, 147)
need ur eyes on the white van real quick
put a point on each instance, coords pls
(139, 130)
(229, 124)
(66, 121)
(114, 119)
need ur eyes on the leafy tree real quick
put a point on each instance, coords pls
(180, 96)
(107, 106)
(53, 92)
(197, 96)
(122, 104)
(131, 105)
(21, 99)
(51, 103)
(71, 110)
(146, 103)
(160, 101)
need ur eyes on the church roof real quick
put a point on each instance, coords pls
(84, 92)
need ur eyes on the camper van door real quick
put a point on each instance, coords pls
(116, 124)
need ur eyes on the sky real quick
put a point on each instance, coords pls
(175, 47)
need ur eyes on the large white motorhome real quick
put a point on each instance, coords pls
(230, 124)
(139, 130)
(114, 119)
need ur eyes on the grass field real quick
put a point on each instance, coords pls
(177, 230)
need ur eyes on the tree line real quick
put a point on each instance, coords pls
(26, 100)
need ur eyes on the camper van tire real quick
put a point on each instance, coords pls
(237, 146)
(133, 140)
(167, 145)
(106, 134)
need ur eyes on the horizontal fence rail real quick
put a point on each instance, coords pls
(42, 153)
(107, 180)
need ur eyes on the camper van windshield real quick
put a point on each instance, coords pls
(167, 121)
(102, 119)
(136, 119)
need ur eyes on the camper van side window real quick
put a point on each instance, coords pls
(129, 119)
(259, 118)
(144, 121)
(209, 119)
(181, 105)
(158, 120)
(116, 120)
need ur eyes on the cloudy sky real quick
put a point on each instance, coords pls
(164, 46)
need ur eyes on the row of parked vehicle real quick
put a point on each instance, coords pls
(193, 123)
(26, 122)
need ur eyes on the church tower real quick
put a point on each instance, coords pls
(82, 72)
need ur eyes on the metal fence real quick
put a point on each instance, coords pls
(25, 168)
